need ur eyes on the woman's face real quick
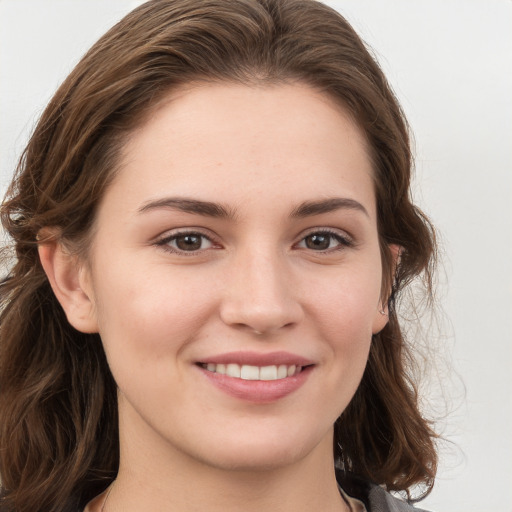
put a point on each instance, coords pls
(235, 275)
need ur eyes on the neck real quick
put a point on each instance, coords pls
(295, 488)
(154, 476)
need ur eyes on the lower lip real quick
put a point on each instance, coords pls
(257, 391)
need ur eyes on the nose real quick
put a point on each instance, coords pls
(260, 294)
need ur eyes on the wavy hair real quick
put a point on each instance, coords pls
(58, 404)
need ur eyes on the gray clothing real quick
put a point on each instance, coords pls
(374, 497)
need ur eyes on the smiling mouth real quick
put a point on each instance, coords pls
(249, 372)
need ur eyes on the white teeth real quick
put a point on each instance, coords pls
(233, 370)
(268, 373)
(282, 371)
(249, 372)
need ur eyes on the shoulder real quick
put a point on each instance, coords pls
(375, 498)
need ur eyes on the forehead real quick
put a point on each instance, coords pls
(236, 143)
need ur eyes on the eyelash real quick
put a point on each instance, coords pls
(344, 241)
(164, 242)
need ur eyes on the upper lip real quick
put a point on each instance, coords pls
(258, 359)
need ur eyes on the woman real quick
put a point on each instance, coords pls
(212, 224)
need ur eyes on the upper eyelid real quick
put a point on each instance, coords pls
(324, 229)
(331, 231)
(169, 234)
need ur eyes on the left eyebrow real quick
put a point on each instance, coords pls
(310, 208)
(194, 206)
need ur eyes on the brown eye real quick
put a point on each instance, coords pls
(324, 241)
(187, 242)
(318, 242)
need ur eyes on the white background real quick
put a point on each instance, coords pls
(450, 62)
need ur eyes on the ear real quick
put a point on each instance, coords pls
(382, 314)
(70, 282)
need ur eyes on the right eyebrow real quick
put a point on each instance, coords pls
(195, 206)
(310, 208)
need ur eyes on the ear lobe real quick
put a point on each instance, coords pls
(69, 281)
(380, 319)
(382, 314)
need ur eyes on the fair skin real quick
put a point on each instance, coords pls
(282, 271)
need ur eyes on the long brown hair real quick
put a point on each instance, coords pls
(58, 405)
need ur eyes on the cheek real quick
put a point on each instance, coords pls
(348, 301)
(345, 309)
(148, 317)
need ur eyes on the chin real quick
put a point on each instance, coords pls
(254, 461)
(256, 454)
